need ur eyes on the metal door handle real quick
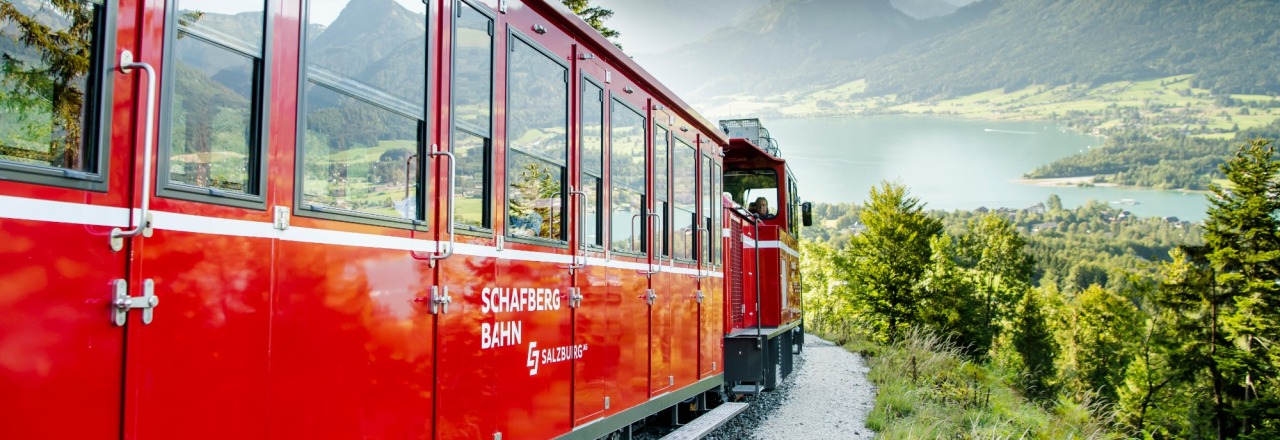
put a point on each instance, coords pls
(148, 138)
(448, 229)
(582, 220)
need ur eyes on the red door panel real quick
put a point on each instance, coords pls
(199, 370)
(351, 344)
(60, 352)
(596, 327)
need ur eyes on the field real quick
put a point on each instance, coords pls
(1169, 103)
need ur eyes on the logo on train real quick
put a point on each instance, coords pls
(552, 355)
(507, 333)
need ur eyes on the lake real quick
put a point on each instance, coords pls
(951, 164)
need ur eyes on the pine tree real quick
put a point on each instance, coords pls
(1242, 235)
(53, 84)
(888, 260)
(1037, 350)
(594, 16)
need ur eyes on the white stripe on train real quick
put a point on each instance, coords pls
(21, 208)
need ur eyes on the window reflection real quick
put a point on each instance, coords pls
(535, 201)
(472, 108)
(684, 184)
(215, 77)
(627, 178)
(592, 161)
(357, 157)
(46, 54)
(471, 189)
(537, 134)
(661, 144)
(366, 75)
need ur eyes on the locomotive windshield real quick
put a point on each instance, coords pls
(755, 189)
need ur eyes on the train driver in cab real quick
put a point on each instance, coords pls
(760, 207)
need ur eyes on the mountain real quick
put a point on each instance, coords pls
(1229, 45)
(793, 46)
(783, 44)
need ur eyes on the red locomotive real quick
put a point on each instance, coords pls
(371, 219)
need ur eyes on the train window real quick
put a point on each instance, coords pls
(627, 178)
(717, 209)
(51, 107)
(793, 205)
(755, 189)
(661, 146)
(537, 134)
(472, 115)
(684, 181)
(363, 111)
(214, 102)
(592, 171)
(704, 235)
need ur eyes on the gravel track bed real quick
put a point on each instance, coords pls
(827, 396)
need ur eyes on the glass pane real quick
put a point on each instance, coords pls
(44, 87)
(684, 171)
(473, 70)
(660, 230)
(592, 129)
(537, 99)
(236, 23)
(626, 148)
(717, 209)
(705, 235)
(591, 229)
(356, 156)
(755, 189)
(683, 226)
(660, 146)
(625, 220)
(535, 198)
(472, 154)
(212, 140)
(377, 48)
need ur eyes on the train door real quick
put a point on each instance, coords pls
(201, 269)
(353, 312)
(595, 320)
(65, 161)
(630, 203)
(507, 339)
(686, 235)
(664, 329)
(711, 288)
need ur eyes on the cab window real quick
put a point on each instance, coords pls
(757, 190)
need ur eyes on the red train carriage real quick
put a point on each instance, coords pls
(354, 219)
(763, 321)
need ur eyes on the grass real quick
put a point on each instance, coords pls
(927, 389)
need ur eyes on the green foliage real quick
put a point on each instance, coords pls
(1242, 236)
(1031, 335)
(1100, 324)
(594, 16)
(1133, 158)
(926, 388)
(887, 262)
(51, 80)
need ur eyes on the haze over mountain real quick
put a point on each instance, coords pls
(803, 45)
